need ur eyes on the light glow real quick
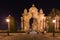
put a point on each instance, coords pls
(7, 20)
(54, 21)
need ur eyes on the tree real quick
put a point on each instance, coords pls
(53, 12)
(12, 24)
(50, 26)
(57, 12)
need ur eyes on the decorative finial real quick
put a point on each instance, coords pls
(25, 10)
(33, 5)
(9, 15)
(41, 11)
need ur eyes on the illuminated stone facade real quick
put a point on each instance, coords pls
(39, 20)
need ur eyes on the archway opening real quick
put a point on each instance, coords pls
(31, 21)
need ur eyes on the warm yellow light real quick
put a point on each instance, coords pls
(54, 21)
(7, 20)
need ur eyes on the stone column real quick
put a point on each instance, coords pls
(41, 25)
(38, 25)
(57, 23)
(26, 26)
(21, 23)
(26, 23)
(44, 22)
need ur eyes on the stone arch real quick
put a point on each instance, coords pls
(32, 19)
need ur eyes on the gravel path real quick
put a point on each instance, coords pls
(24, 36)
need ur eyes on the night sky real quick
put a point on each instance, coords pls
(16, 7)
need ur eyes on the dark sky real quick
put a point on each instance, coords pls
(16, 7)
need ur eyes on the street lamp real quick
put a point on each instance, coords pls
(54, 21)
(8, 21)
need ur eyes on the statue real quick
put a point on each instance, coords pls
(26, 20)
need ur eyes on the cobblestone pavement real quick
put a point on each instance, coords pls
(25, 36)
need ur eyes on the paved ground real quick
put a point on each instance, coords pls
(25, 36)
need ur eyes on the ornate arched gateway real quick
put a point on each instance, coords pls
(39, 20)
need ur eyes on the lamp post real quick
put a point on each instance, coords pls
(54, 21)
(8, 21)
